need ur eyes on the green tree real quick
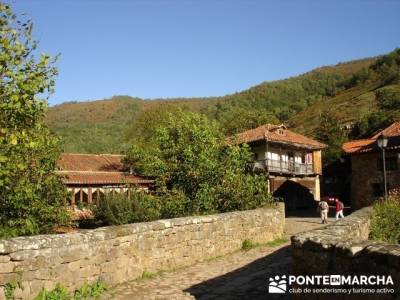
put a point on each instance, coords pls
(388, 97)
(192, 159)
(370, 124)
(240, 119)
(331, 133)
(31, 195)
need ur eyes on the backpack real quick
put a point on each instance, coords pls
(341, 206)
(323, 205)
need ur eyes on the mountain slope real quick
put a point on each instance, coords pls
(107, 125)
(375, 91)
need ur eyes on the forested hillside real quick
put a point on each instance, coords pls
(350, 92)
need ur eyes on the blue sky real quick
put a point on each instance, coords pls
(177, 48)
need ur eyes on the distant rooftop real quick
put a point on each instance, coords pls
(369, 145)
(96, 169)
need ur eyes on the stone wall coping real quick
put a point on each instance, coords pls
(109, 232)
(343, 236)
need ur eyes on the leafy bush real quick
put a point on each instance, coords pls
(385, 224)
(174, 204)
(247, 245)
(197, 171)
(117, 209)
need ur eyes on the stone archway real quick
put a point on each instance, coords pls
(295, 195)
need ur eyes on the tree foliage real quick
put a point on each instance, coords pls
(331, 133)
(31, 195)
(388, 97)
(191, 159)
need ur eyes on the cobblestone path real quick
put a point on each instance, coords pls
(240, 275)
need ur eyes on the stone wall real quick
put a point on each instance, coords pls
(344, 248)
(121, 253)
(366, 179)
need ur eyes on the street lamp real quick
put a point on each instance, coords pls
(382, 143)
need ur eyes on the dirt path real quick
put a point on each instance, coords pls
(241, 275)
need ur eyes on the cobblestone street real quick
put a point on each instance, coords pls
(240, 275)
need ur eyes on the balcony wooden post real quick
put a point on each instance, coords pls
(73, 197)
(80, 195)
(97, 196)
(89, 195)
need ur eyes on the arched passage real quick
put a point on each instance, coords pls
(295, 196)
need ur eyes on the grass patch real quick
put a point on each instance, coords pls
(87, 291)
(385, 222)
(248, 244)
(9, 289)
(149, 275)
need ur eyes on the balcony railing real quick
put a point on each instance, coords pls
(284, 167)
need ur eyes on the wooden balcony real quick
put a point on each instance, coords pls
(282, 167)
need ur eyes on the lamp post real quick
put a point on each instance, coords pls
(382, 143)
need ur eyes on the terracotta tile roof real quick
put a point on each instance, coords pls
(91, 162)
(392, 130)
(96, 169)
(369, 145)
(277, 134)
(358, 145)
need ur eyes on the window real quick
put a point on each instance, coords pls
(391, 164)
(280, 131)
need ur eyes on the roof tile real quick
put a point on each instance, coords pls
(96, 169)
(272, 133)
(369, 145)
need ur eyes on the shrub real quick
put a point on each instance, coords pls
(174, 204)
(247, 245)
(385, 223)
(197, 170)
(117, 209)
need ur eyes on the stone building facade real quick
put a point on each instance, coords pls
(291, 161)
(366, 166)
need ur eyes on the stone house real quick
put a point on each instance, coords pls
(291, 161)
(366, 166)
(89, 176)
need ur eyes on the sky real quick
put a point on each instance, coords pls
(178, 48)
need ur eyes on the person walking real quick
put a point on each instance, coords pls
(339, 209)
(323, 209)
